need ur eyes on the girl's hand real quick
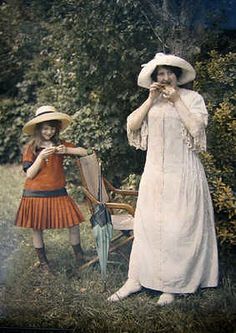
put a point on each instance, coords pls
(46, 152)
(61, 149)
(155, 90)
(170, 93)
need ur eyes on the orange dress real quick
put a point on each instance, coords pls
(45, 203)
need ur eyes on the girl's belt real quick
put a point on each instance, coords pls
(41, 194)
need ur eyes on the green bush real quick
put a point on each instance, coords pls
(13, 114)
(216, 81)
(89, 71)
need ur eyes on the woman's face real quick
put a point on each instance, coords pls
(47, 132)
(166, 76)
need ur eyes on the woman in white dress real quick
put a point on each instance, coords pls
(174, 249)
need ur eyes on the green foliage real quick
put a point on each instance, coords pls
(84, 58)
(12, 118)
(91, 56)
(216, 81)
(88, 70)
(20, 33)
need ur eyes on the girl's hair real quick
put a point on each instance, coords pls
(176, 70)
(36, 142)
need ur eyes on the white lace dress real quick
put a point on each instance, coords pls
(174, 248)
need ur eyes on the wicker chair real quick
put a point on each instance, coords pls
(123, 222)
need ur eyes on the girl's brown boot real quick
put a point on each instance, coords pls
(43, 261)
(79, 254)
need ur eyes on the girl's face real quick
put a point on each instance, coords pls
(47, 132)
(166, 76)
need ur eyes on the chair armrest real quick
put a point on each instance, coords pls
(119, 191)
(90, 196)
(111, 205)
(126, 192)
(124, 206)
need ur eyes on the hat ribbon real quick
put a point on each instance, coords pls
(43, 113)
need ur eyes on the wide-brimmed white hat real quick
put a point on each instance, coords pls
(188, 73)
(46, 113)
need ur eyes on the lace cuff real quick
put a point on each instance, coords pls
(196, 143)
(138, 138)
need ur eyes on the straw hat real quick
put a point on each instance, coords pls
(161, 59)
(46, 113)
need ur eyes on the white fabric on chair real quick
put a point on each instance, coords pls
(90, 168)
(122, 222)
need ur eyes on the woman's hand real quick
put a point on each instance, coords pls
(170, 93)
(155, 90)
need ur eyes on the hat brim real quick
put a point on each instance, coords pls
(30, 125)
(188, 73)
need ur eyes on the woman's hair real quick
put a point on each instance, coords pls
(36, 142)
(176, 70)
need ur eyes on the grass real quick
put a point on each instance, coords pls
(30, 298)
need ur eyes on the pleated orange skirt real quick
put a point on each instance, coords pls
(48, 213)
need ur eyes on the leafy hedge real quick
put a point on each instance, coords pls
(85, 59)
(13, 115)
(216, 80)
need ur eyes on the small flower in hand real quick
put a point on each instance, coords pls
(61, 149)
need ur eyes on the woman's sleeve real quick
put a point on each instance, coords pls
(137, 138)
(28, 158)
(193, 129)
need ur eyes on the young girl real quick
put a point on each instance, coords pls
(45, 203)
